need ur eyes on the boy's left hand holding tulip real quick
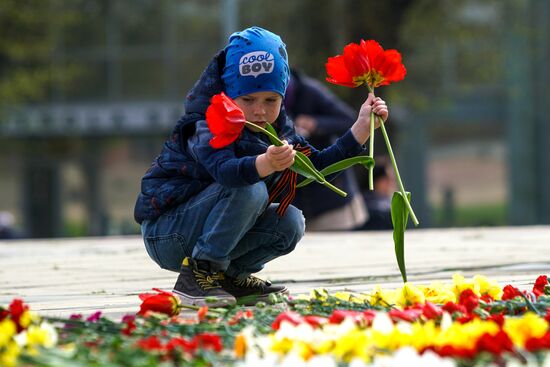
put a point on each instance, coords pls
(361, 127)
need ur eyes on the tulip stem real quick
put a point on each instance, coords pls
(396, 170)
(196, 308)
(371, 152)
(392, 158)
(318, 176)
(371, 143)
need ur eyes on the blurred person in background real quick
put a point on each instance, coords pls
(7, 221)
(321, 117)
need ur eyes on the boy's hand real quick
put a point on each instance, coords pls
(361, 127)
(275, 159)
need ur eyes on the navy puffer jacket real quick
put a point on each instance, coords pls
(187, 163)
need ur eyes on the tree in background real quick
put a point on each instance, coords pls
(28, 49)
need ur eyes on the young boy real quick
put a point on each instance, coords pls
(210, 213)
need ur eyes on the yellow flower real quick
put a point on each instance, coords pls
(303, 349)
(9, 355)
(26, 318)
(7, 331)
(465, 335)
(487, 286)
(410, 295)
(460, 284)
(353, 344)
(525, 327)
(44, 335)
(423, 335)
(323, 346)
(280, 345)
(381, 297)
(438, 293)
(320, 294)
(344, 296)
(360, 298)
(37, 336)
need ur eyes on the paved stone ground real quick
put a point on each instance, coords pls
(64, 276)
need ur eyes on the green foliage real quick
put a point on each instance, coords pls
(31, 33)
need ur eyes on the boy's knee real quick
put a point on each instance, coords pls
(294, 227)
(252, 196)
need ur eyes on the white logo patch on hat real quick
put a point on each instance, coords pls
(256, 63)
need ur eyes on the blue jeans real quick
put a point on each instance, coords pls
(232, 228)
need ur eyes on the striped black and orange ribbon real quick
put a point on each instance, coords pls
(285, 189)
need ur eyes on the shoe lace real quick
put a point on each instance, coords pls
(206, 280)
(251, 282)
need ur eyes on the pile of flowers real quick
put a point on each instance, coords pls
(468, 322)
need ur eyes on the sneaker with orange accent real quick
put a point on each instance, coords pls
(198, 286)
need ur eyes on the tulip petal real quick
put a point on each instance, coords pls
(366, 62)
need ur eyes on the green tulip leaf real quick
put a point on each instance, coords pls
(340, 166)
(399, 218)
(271, 129)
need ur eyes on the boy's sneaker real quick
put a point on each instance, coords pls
(251, 290)
(198, 286)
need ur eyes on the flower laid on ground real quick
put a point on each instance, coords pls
(22, 332)
(467, 322)
(162, 301)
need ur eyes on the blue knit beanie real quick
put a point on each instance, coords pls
(255, 61)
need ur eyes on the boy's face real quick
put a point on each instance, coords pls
(260, 107)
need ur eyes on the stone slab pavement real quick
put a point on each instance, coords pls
(59, 277)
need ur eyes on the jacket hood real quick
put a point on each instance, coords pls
(208, 85)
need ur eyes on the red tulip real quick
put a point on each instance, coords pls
(451, 308)
(225, 120)
(209, 341)
(3, 313)
(365, 63)
(338, 316)
(315, 321)
(162, 301)
(409, 315)
(289, 316)
(540, 283)
(151, 343)
(17, 308)
(495, 344)
(431, 311)
(510, 292)
(188, 346)
(468, 299)
(536, 344)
